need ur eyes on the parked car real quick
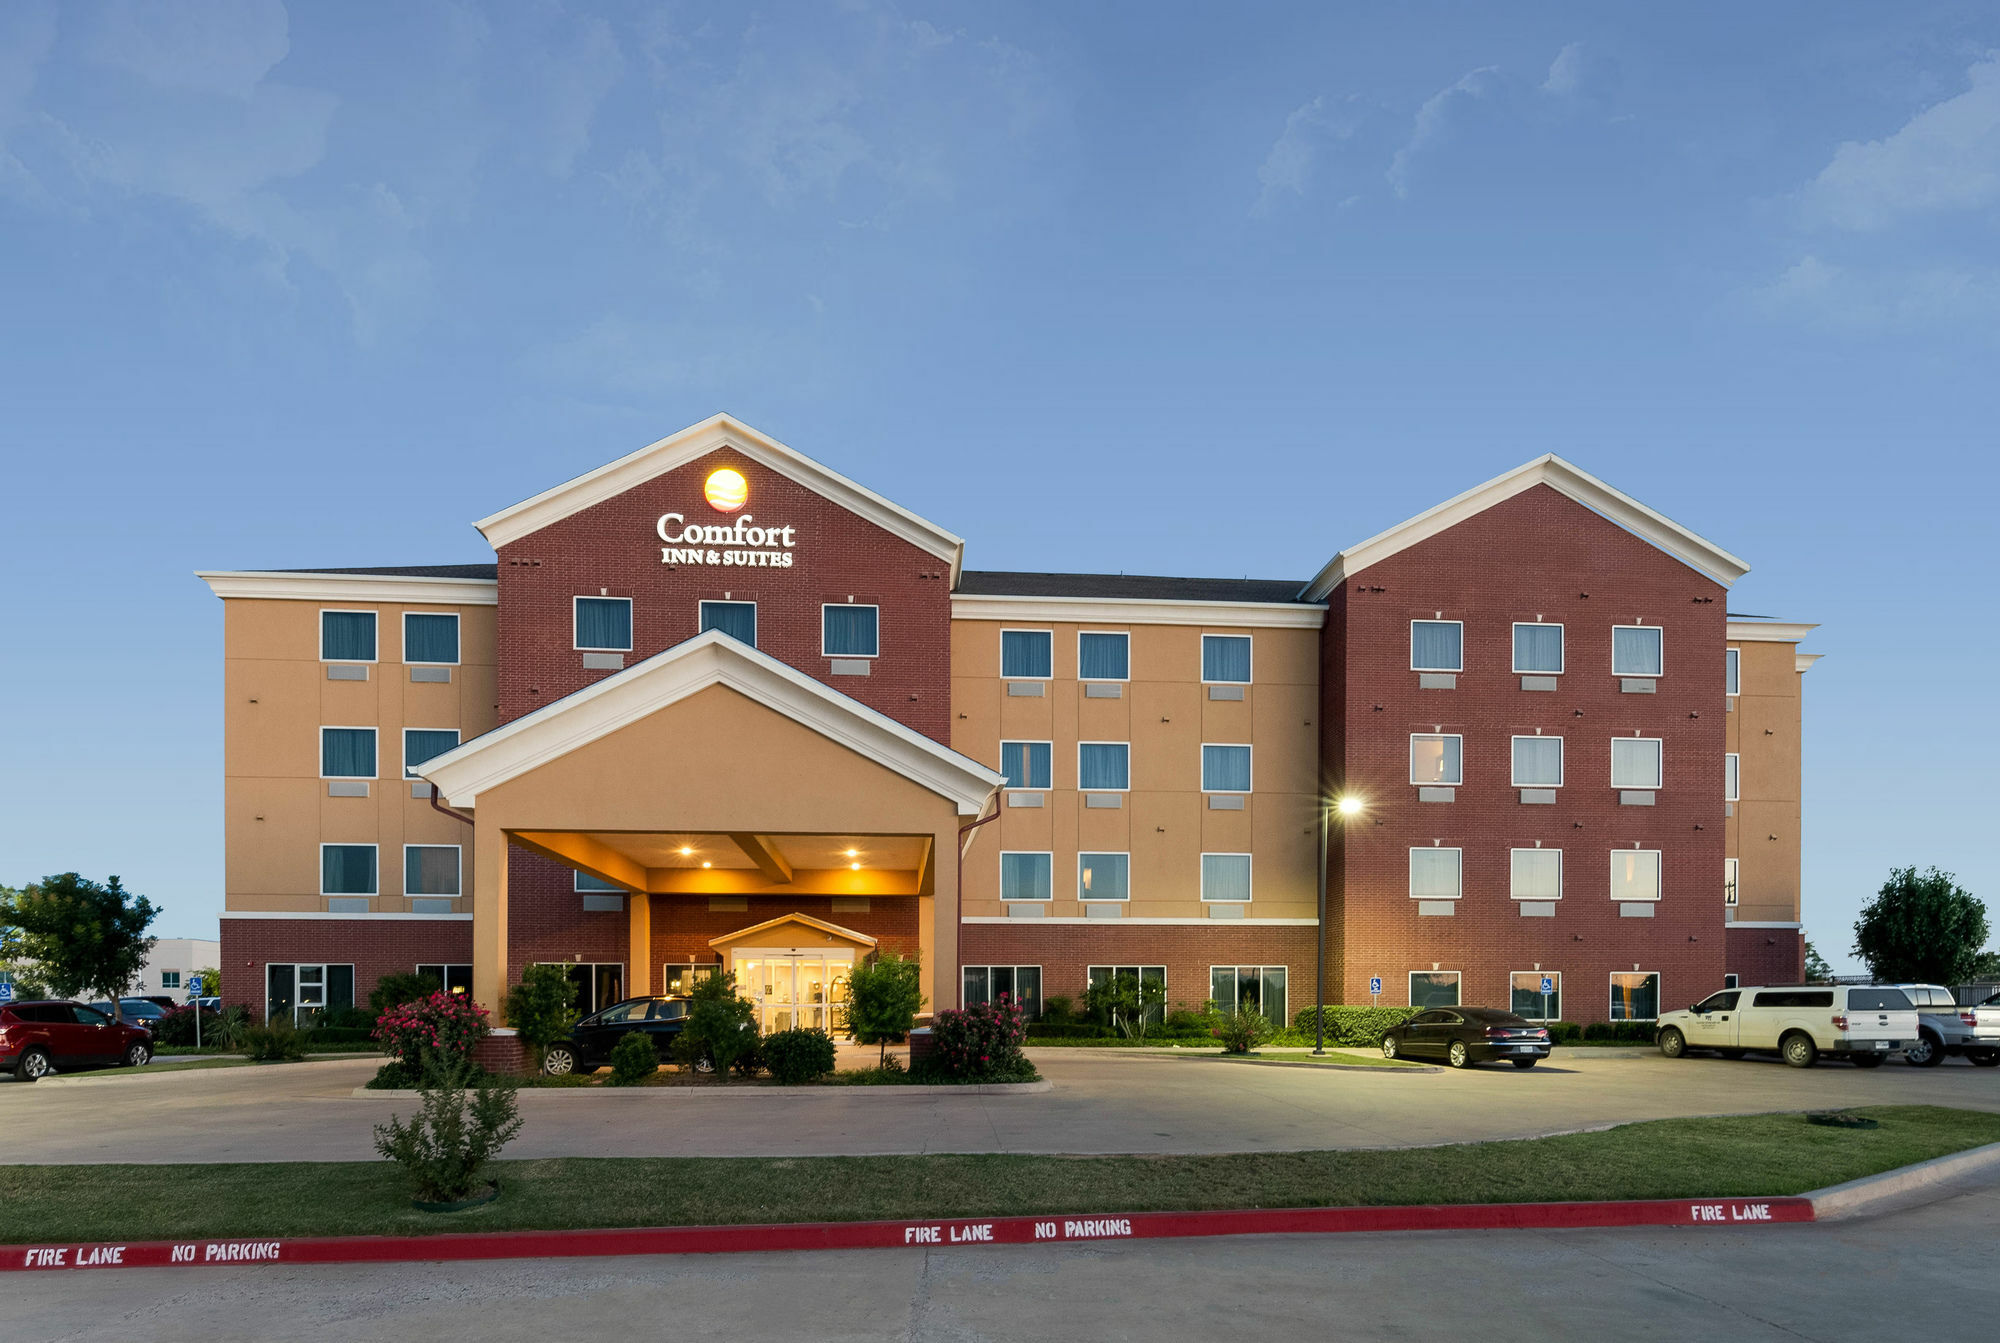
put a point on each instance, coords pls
(47, 1033)
(591, 1041)
(1463, 1036)
(1944, 1027)
(166, 1002)
(139, 1011)
(1864, 1023)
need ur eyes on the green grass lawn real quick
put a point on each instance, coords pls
(1749, 1156)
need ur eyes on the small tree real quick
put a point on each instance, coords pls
(884, 995)
(721, 1027)
(448, 1142)
(1125, 1004)
(1923, 927)
(85, 938)
(541, 1009)
(1817, 970)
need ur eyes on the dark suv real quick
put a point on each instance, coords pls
(591, 1041)
(37, 1036)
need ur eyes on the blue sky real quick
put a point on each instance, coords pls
(1160, 288)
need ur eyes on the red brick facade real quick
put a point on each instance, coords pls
(1066, 951)
(1765, 955)
(374, 947)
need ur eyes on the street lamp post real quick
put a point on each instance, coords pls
(1349, 805)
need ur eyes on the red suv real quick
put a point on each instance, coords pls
(37, 1036)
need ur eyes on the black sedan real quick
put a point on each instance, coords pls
(591, 1041)
(1463, 1036)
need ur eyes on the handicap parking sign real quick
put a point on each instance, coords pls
(194, 986)
(1375, 983)
(6, 990)
(1548, 986)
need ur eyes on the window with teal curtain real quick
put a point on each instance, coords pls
(1025, 763)
(1437, 645)
(430, 636)
(1225, 658)
(604, 624)
(1538, 649)
(1027, 876)
(1104, 876)
(1103, 657)
(347, 869)
(425, 743)
(738, 620)
(346, 636)
(1104, 764)
(1225, 769)
(1225, 877)
(850, 631)
(1637, 650)
(430, 869)
(347, 752)
(1027, 653)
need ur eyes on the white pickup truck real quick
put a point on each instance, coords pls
(1798, 1022)
(1944, 1027)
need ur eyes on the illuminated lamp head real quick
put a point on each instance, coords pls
(726, 490)
(1349, 805)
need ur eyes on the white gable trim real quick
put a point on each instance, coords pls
(1772, 632)
(1559, 475)
(399, 588)
(696, 441)
(712, 658)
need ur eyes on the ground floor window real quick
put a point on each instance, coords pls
(304, 993)
(1249, 988)
(597, 984)
(454, 979)
(170, 979)
(1434, 988)
(1635, 996)
(1730, 981)
(1018, 983)
(680, 978)
(1145, 980)
(1528, 1000)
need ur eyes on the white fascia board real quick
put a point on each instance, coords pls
(1559, 475)
(1139, 923)
(1767, 632)
(1803, 662)
(323, 914)
(710, 658)
(1139, 611)
(696, 441)
(352, 588)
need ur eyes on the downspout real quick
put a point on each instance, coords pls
(441, 807)
(958, 924)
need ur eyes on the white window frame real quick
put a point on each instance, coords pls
(1660, 778)
(1126, 679)
(409, 770)
(631, 625)
(325, 728)
(1233, 966)
(1562, 760)
(1539, 975)
(324, 982)
(1202, 751)
(1032, 787)
(1410, 874)
(405, 650)
(170, 979)
(1429, 620)
(990, 967)
(374, 615)
(700, 602)
(1410, 989)
(1659, 877)
(1201, 870)
(1084, 897)
(1659, 993)
(1732, 882)
(1000, 876)
(1006, 630)
(824, 607)
(1538, 625)
(1079, 767)
(1732, 776)
(357, 895)
(458, 894)
(1643, 676)
(1203, 669)
(1535, 898)
(1437, 783)
(1732, 672)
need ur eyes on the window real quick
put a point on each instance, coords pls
(1225, 659)
(1225, 769)
(347, 869)
(1434, 988)
(1027, 655)
(1104, 766)
(1225, 878)
(850, 631)
(1437, 758)
(425, 743)
(1635, 996)
(347, 753)
(1526, 998)
(681, 978)
(1637, 650)
(1151, 980)
(1635, 762)
(597, 984)
(1538, 649)
(1729, 882)
(1732, 671)
(1103, 657)
(604, 624)
(738, 620)
(453, 979)
(430, 636)
(303, 993)
(1027, 876)
(1535, 874)
(1437, 874)
(583, 881)
(431, 869)
(1538, 762)
(170, 979)
(1016, 983)
(1250, 988)
(1635, 874)
(1104, 876)
(1730, 981)
(1732, 777)
(1437, 645)
(346, 636)
(1026, 763)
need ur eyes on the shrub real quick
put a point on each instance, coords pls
(721, 1027)
(884, 995)
(633, 1060)
(443, 1024)
(338, 1035)
(542, 1009)
(1241, 1032)
(1183, 1021)
(454, 1134)
(801, 1055)
(1564, 1032)
(1125, 1003)
(176, 1027)
(1058, 1011)
(395, 1075)
(276, 1041)
(750, 1062)
(395, 990)
(982, 1041)
(1356, 1027)
(346, 1019)
(1068, 1030)
(1620, 1032)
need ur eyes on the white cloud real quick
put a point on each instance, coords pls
(1290, 164)
(1900, 300)
(1946, 157)
(1565, 72)
(1433, 120)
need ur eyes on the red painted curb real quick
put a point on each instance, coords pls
(886, 1235)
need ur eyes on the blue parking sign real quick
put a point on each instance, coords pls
(1375, 983)
(1548, 986)
(194, 986)
(6, 990)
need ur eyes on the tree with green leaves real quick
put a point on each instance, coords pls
(541, 1009)
(1817, 970)
(884, 995)
(1923, 927)
(84, 938)
(1125, 1003)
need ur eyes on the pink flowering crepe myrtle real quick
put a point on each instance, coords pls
(980, 1040)
(446, 1024)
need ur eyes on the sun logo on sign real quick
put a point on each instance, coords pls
(726, 490)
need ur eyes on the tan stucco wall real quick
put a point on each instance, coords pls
(1765, 833)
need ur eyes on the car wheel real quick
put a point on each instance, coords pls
(32, 1067)
(1799, 1050)
(1525, 1063)
(1458, 1055)
(1388, 1046)
(560, 1061)
(1867, 1060)
(1927, 1051)
(1985, 1060)
(704, 1064)
(1672, 1043)
(138, 1054)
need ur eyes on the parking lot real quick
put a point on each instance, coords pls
(1102, 1102)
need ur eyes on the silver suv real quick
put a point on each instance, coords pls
(1944, 1027)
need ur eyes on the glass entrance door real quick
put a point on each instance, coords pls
(796, 989)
